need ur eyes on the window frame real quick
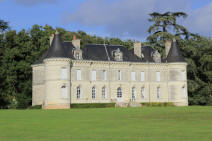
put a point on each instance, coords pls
(93, 75)
(79, 75)
(64, 72)
(158, 76)
(93, 96)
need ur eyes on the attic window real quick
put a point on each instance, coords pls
(77, 54)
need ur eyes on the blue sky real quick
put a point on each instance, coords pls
(113, 18)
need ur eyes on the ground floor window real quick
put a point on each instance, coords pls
(143, 93)
(133, 94)
(93, 93)
(158, 92)
(79, 93)
(119, 93)
(64, 92)
(104, 95)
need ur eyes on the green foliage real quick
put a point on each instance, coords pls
(157, 104)
(93, 105)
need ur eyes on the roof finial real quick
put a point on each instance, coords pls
(56, 32)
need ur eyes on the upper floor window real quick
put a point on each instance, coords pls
(158, 92)
(143, 92)
(119, 75)
(94, 75)
(104, 93)
(183, 75)
(104, 75)
(64, 92)
(79, 93)
(79, 75)
(158, 76)
(64, 73)
(133, 93)
(133, 76)
(142, 76)
(93, 93)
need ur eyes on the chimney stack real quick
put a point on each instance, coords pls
(137, 49)
(76, 42)
(51, 39)
(168, 44)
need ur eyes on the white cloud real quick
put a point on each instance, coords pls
(123, 17)
(200, 20)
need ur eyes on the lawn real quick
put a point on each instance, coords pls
(109, 124)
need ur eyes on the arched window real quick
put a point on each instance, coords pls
(119, 93)
(93, 93)
(133, 94)
(64, 93)
(143, 92)
(104, 95)
(79, 93)
(158, 92)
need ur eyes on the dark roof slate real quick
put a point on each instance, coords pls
(175, 54)
(56, 49)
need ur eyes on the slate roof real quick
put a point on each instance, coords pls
(56, 49)
(175, 54)
(101, 52)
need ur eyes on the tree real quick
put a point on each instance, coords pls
(165, 27)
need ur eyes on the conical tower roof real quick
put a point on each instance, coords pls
(56, 49)
(175, 54)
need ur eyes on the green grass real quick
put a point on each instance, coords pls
(108, 124)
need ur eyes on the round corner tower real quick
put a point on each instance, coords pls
(57, 76)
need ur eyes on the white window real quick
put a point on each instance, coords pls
(183, 75)
(133, 94)
(104, 93)
(94, 75)
(64, 73)
(93, 93)
(104, 75)
(119, 93)
(142, 76)
(183, 92)
(119, 75)
(77, 56)
(143, 92)
(79, 75)
(133, 76)
(64, 93)
(79, 93)
(158, 92)
(157, 76)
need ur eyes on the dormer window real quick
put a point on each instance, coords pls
(77, 54)
(156, 56)
(118, 55)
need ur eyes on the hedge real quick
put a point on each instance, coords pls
(93, 105)
(157, 104)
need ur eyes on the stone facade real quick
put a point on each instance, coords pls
(57, 82)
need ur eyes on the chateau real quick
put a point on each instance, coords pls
(66, 74)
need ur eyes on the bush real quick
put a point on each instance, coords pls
(93, 105)
(36, 107)
(157, 104)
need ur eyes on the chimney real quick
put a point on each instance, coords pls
(137, 49)
(168, 44)
(76, 42)
(51, 39)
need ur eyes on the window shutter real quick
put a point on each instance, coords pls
(158, 76)
(64, 73)
(94, 75)
(133, 76)
(142, 76)
(79, 75)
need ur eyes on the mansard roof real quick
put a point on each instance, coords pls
(175, 54)
(101, 52)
